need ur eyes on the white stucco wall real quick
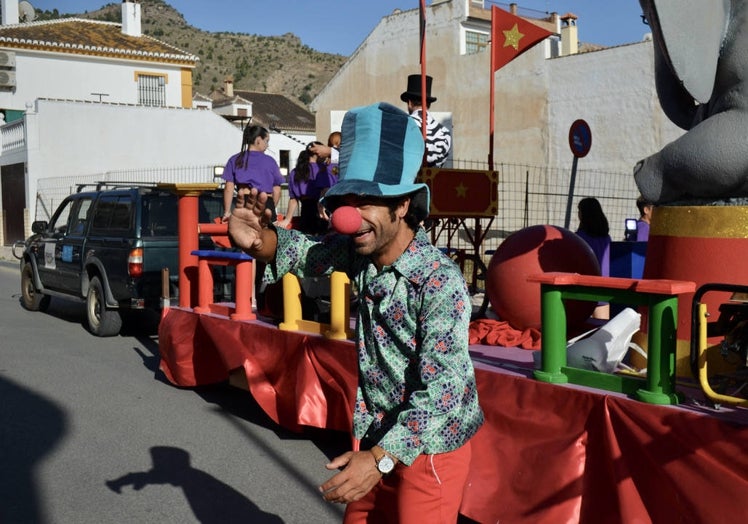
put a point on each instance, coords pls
(613, 90)
(377, 71)
(67, 139)
(76, 77)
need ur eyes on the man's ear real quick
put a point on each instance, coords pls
(402, 208)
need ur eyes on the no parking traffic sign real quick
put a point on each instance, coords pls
(580, 138)
(580, 141)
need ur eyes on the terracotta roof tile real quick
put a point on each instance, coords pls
(89, 37)
(276, 111)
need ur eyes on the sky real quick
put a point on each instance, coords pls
(339, 26)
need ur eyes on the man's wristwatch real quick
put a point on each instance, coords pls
(385, 464)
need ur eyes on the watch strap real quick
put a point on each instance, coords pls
(378, 453)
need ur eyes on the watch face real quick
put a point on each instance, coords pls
(385, 465)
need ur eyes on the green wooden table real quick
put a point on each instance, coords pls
(661, 300)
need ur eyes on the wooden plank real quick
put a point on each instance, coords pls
(648, 286)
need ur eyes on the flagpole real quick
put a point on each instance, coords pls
(422, 32)
(491, 105)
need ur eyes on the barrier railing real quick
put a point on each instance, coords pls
(196, 279)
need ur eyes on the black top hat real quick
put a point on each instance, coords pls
(413, 91)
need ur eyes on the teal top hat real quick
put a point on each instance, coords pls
(380, 154)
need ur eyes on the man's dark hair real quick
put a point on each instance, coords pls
(410, 217)
(641, 203)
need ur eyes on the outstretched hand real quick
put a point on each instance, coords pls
(250, 220)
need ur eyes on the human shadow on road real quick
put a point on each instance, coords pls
(30, 428)
(212, 501)
(240, 403)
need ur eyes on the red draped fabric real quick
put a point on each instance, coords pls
(546, 454)
(554, 454)
(493, 332)
(298, 379)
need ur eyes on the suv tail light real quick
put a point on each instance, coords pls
(135, 262)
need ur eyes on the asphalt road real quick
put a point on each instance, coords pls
(91, 432)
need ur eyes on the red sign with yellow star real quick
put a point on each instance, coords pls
(511, 36)
(462, 192)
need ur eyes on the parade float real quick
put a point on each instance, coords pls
(561, 443)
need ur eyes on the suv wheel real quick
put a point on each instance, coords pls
(102, 322)
(31, 299)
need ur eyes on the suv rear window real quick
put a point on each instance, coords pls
(113, 213)
(160, 216)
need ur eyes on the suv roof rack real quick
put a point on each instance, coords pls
(104, 185)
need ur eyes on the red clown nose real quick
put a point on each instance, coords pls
(346, 220)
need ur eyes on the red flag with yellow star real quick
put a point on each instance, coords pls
(511, 36)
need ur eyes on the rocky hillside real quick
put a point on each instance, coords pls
(275, 64)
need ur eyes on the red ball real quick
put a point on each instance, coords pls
(346, 220)
(533, 250)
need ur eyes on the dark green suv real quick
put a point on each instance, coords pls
(108, 247)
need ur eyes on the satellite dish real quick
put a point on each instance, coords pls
(26, 11)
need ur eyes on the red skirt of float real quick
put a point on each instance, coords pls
(703, 244)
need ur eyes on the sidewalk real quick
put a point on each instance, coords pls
(6, 254)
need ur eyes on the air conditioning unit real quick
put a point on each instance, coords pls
(7, 59)
(7, 79)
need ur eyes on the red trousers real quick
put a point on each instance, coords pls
(429, 490)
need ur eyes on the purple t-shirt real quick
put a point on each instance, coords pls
(333, 169)
(259, 170)
(642, 231)
(311, 188)
(601, 247)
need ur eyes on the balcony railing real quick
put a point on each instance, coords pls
(13, 137)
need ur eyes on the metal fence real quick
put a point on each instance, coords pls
(52, 191)
(528, 195)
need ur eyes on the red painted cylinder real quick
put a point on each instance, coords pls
(702, 244)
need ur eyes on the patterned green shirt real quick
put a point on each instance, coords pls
(416, 390)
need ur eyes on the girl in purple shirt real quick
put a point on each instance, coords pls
(251, 167)
(306, 183)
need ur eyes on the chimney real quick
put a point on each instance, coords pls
(569, 35)
(228, 87)
(556, 21)
(10, 12)
(131, 18)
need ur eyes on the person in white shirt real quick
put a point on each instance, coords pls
(438, 137)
